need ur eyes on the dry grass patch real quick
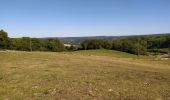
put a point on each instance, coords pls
(82, 75)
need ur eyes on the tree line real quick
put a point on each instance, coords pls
(139, 45)
(29, 44)
(133, 46)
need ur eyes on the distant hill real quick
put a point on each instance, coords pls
(78, 40)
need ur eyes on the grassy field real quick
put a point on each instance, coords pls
(83, 75)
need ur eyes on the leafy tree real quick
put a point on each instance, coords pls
(4, 40)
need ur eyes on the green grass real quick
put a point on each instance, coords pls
(83, 75)
(114, 53)
(124, 55)
(108, 53)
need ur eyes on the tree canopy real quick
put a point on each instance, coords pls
(4, 41)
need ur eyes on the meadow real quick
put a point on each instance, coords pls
(83, 75)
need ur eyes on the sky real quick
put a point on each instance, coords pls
(70, 18)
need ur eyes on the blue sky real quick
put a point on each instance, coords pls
(60, 18)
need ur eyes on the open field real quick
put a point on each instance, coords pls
(83, 75)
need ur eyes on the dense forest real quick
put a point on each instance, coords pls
(139, 45)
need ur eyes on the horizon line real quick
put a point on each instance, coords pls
(98, 35)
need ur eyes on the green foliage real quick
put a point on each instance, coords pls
(53, 45)
(157, 51)
(4, 41)
(131, 45)
(22, 44)
(138, 45)
(96, 44)
(29, 44)
(25, 44)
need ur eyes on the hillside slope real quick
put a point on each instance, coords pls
(85, 75)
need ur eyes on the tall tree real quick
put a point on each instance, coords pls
(4, 41)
